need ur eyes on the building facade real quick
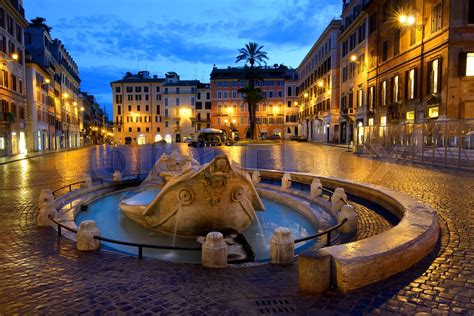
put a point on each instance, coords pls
(354, 48)
(179, 104)
(53, 91)
(203, 106)
(13, 129)
(276, 115)
(320, 88)
(421, 60)
(151, 109)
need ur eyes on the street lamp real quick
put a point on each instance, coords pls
(409, 21)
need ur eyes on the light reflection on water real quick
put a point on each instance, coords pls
(114, 224)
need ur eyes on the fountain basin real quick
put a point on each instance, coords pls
(116, 225)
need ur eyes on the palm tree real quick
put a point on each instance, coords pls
(252, 54)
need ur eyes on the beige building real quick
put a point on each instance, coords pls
(12, 79)
(52, 90)
(318, 74)
(138, 112)
(203, 106)
(354, 51)
(151, 109)
(179, 102)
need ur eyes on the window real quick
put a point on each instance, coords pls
(19, 34)
(433, 112)
(436, 18)
(117, 89)
(130, 97)
(288, 92)
(138, 89)
(158, 89)
(119, 110)
(469, 69)
(411, 84)
(396, 87)
(384, 93)
(383, 121)
(410, 116)
(138, 108)
(208, 105)
(289, 104)
(129, 108)
(360, 97)
(147, 108)
(129, 89)
(118, 99)
(434, 71)
(373, 23)
(361, 63)
(361, 32)
(145, 89)
(385, 51)
(2, 18)
(208, 95)
(10, 24)
(198, 105)
(371, 97)
(177, 101)
(470, 18)
(412, 36)
(396, 42)
(138, 97)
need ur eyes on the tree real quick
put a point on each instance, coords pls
(252, 54)
(40, 22)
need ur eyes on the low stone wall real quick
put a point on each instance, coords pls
(357, 264)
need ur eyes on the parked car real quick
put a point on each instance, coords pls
(275, 137)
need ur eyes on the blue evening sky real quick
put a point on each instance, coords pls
(110, 37)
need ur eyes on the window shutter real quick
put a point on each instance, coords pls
(462, 64)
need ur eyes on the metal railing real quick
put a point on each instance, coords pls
(124, 243)
(329, 194)
(130, 177)
(326, 232)
(438, 142)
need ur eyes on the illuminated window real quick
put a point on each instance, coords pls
(371, 97)
(433, 112)
(384, 93)
(396, 88)
(359, 97)
(411, 115)
(2, 143)
(383, 121)
(371, 122)
(411, 84)
(470, 64)
(435, 75)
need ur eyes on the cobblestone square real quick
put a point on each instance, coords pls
(41, 274)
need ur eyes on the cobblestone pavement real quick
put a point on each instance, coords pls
(40, 274)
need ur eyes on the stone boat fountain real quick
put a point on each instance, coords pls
(218, 196)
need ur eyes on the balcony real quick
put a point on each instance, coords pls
(7, 117)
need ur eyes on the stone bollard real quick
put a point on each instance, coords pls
(85, 236)
(347, 211)
(337, 200)
(316, 188)
(117, 177)
(214, 251)
(256, 177)
(286, 181)
(48, 210)
(46, 197)
(282, 247)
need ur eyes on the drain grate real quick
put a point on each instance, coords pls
(275, 306)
